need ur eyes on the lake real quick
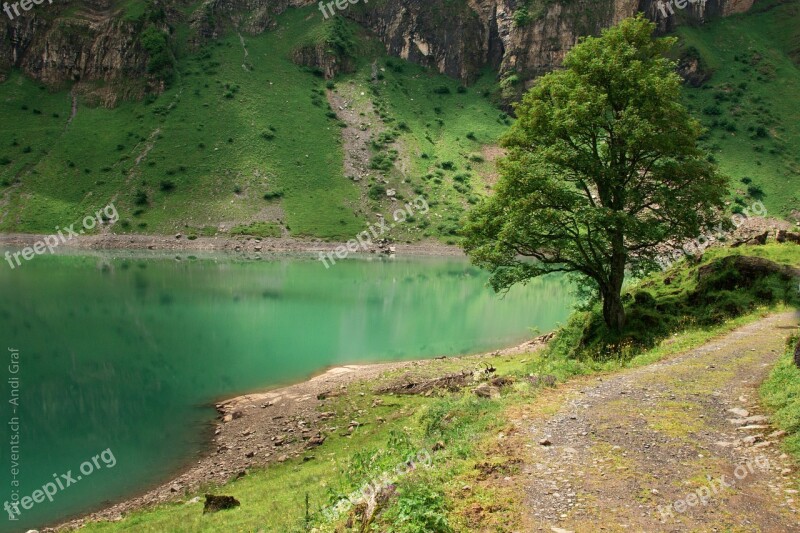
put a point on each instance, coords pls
(128, 352)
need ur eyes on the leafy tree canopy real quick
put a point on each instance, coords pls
(602, 166)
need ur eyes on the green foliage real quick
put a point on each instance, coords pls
(419, 509)
(140, 198)
(160, 62)
(258, 229)
(781, 393)
(341, 37)
(602, 166)
(382, 161)
(699, 295)
(377, 191)
(522, 17)
(273, 195)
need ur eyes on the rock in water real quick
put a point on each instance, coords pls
(219, 503)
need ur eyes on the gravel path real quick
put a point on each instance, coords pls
(639, 450)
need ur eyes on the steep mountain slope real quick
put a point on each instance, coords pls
(244, 136)
(240, 132)
(750, 103)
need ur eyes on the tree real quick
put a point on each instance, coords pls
(602, 167)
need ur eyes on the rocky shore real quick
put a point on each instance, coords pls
(252, 245)
(259, 429)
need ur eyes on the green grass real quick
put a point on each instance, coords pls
(257, 229)
(227, 135)
(781, 393)
(756, 133)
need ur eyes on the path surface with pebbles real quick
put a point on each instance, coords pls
(639, 450)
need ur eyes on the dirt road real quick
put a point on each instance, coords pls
(680, 445)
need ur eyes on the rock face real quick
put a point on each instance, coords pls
(97, 41)
(94, 43)
(462, 40)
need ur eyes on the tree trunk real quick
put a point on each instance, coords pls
(613, 310)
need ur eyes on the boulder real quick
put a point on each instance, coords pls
(787, 236)
(484, 390)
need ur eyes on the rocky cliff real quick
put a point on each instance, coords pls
(101, 40)
(500, 35)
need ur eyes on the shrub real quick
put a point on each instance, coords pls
(381, 162)
(273, 195)
(442, 89)
(140, 198)
(755, 191)
(167, 185)
(377, 191)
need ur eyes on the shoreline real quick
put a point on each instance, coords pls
(257, 245)
(234, 447)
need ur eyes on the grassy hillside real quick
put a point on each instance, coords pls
(244, 141)
(243, 135)
(750, 104)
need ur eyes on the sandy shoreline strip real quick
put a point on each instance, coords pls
(258, 429)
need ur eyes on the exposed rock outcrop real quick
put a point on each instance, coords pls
(98, 41)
